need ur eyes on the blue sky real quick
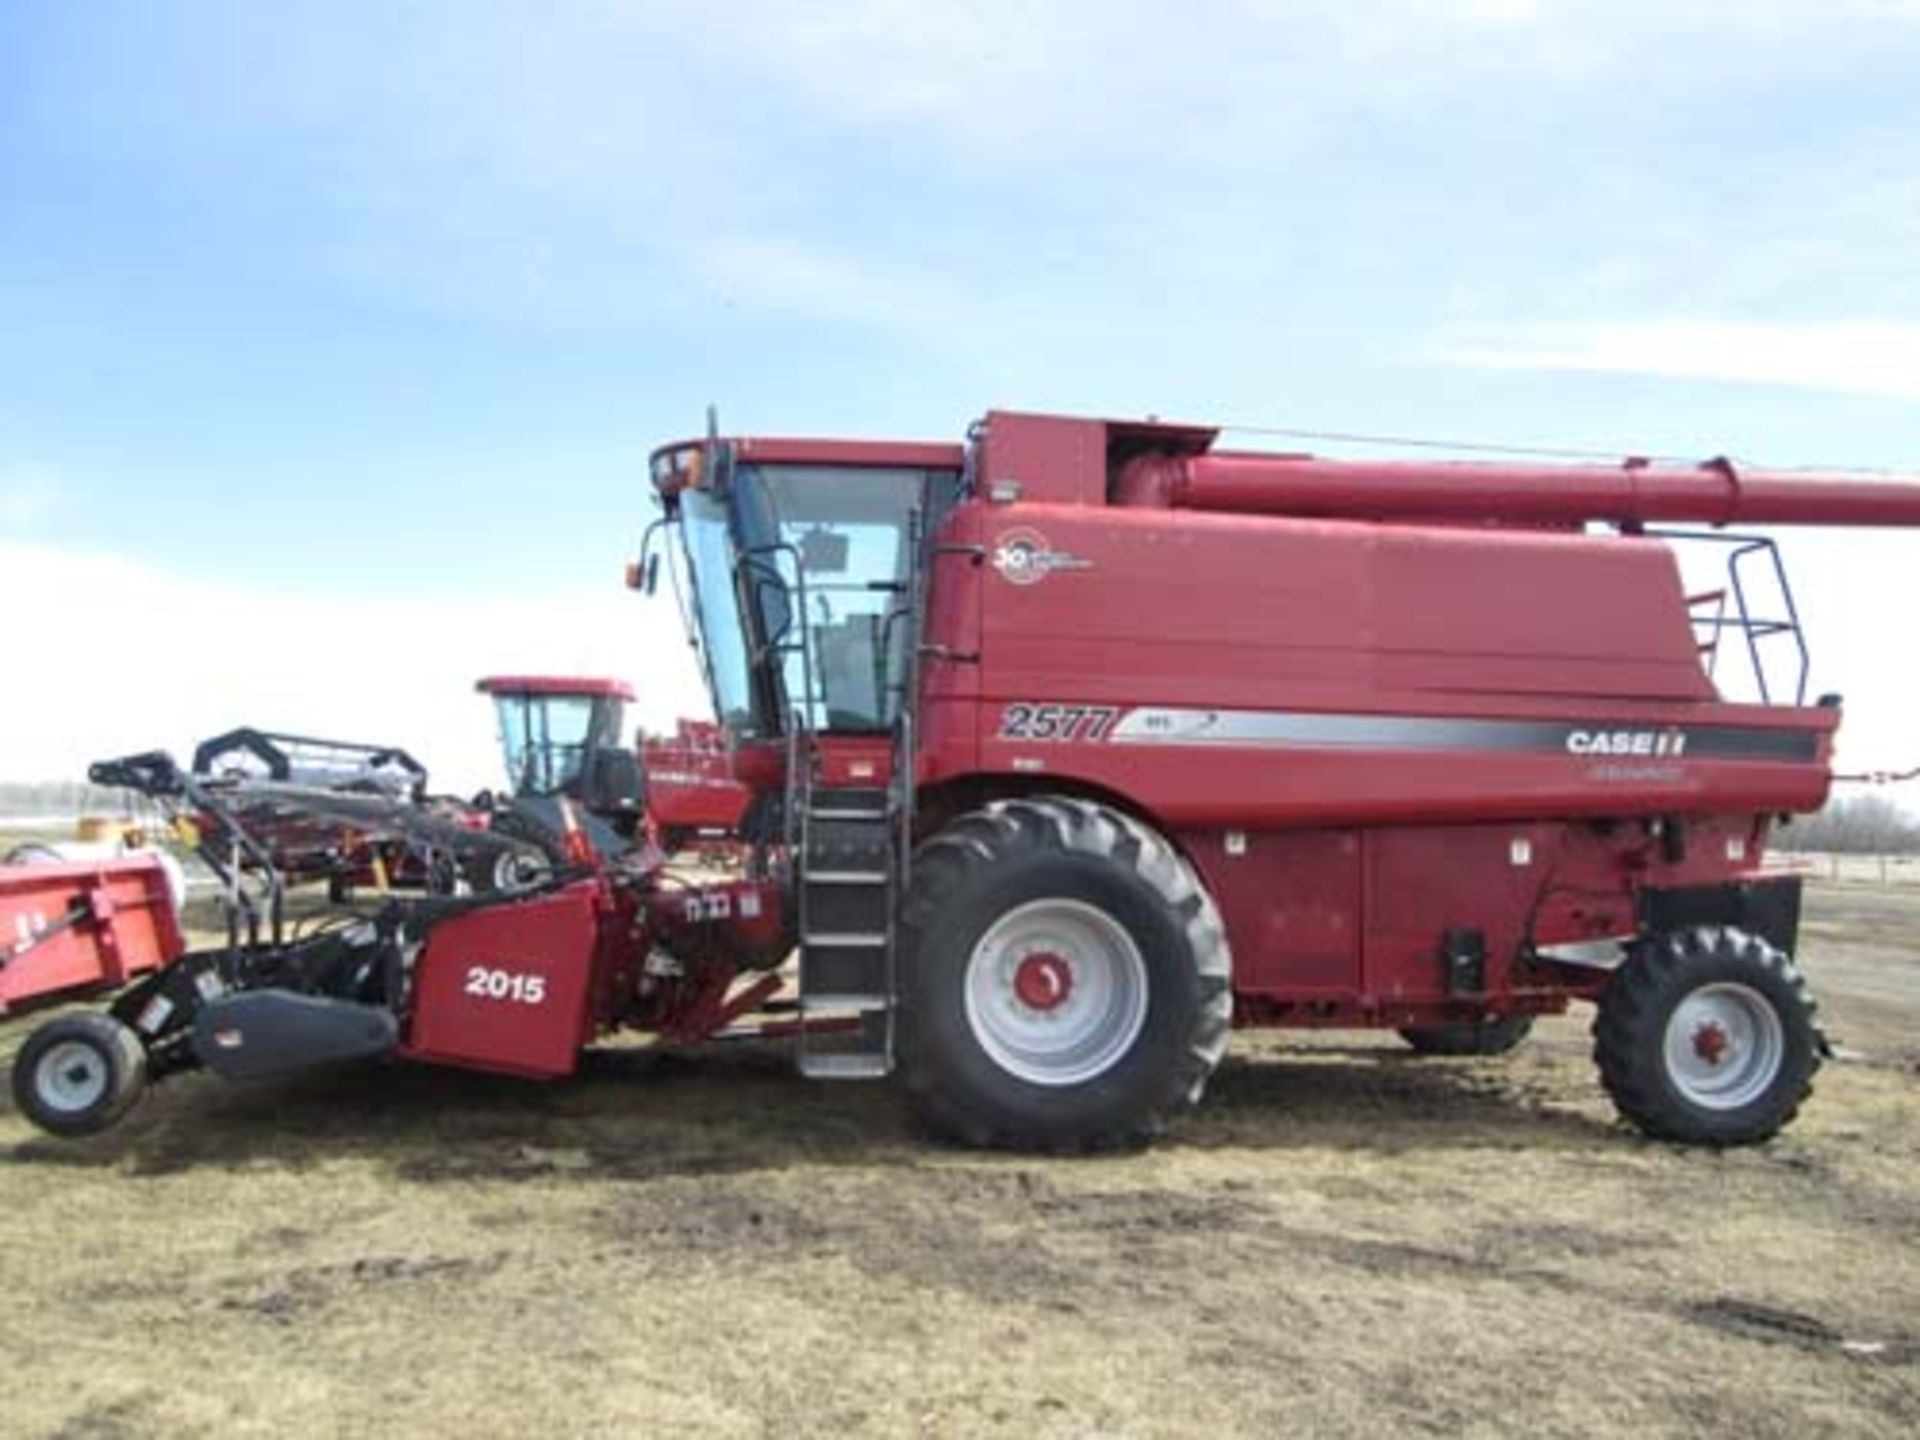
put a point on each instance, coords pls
(344, 328)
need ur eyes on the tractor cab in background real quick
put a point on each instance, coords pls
(560, 737)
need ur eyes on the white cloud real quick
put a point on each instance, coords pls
(118, 656)
(787, 276)
(28, 494)
(1867, 357)
(1854, 590)
(1001, 168)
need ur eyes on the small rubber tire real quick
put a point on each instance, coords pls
(92, 1039)
(1632, 1039)
(1470, 1037)
(536, 854)
(990, 863)
(508, 872)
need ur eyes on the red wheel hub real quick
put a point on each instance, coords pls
(1710, 1043)
(1043, 981)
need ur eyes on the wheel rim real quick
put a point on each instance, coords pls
(1056, 992)
(519, 870)
(1724, 1046)
(72, 1077)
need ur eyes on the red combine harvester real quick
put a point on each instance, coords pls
(1076, 746)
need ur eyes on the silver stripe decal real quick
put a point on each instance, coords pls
(1154, 725)
(1278, 727)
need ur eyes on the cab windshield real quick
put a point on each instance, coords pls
(721, 623)
(797, 574)
(546, 737)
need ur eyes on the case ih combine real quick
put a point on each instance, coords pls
(1072, 748)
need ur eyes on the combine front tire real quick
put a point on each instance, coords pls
(1470, 1037)
(1707, 1036)
(1065, 982)
(79, 1074)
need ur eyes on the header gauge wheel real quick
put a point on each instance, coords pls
(79, 1074)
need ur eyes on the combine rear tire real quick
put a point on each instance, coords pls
(1707, 1036)
(79, 1074)
(1470, 1037)
(1065, 979)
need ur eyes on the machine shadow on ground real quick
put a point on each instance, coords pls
(641, 1112)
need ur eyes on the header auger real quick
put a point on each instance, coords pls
(1069, 748)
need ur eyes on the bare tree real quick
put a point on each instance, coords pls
(1856, 825)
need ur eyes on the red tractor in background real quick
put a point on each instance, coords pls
(561, 734)
(1074, 747)
(560, 739)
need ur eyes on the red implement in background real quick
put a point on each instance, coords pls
(69, 929)
(691, 788)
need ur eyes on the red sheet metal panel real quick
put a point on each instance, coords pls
(506, 987)
(82, 926)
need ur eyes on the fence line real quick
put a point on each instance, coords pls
(1885, 871)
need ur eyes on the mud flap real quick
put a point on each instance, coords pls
(1768, 907)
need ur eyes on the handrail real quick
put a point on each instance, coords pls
(1752, 628)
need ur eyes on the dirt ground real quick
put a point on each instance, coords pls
(1344, 1240)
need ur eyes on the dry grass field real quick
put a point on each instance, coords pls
(1345, 1240)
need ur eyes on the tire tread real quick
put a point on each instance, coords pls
(1003, 833)
(1629, 1029)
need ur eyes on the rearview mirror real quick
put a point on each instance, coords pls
(644, 574)
(823, 551)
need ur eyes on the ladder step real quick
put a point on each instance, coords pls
(862, 1004)
(834, 910)
(845, 1067)
(855, 796)
(846, 874)
(859, 971)
(849, 845)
